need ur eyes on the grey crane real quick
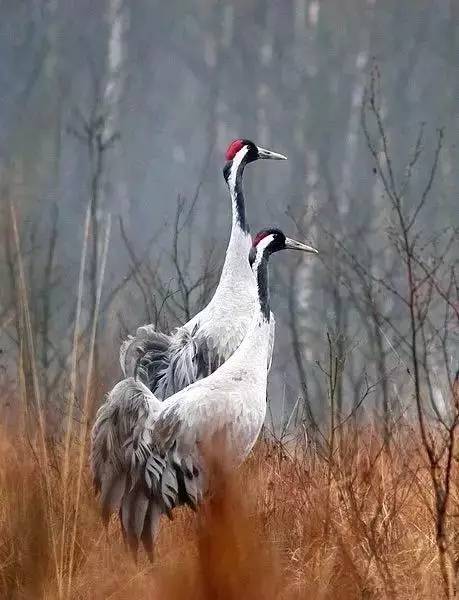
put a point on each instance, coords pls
(169, 362)
(147, 455)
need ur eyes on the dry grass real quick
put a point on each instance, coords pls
(275, 531)
(356, 522)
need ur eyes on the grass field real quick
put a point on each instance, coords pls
(290, 524)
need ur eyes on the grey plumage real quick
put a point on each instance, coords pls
(148, 343)
(120, 444)
(167, 364)
(138, 477)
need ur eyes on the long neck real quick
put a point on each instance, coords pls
(260, 269)
(254, 348)
(236, 264)
(233, 174)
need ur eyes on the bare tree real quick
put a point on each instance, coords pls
(428, 292)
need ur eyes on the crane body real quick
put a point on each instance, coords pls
(169, 363)
(148, 456)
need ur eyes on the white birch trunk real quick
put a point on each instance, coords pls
(307, 14)
(118, 21)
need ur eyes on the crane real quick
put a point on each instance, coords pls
(146, 455)
(168, 363)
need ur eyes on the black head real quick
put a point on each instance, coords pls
(268, 241)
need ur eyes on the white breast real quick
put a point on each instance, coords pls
(230, 402)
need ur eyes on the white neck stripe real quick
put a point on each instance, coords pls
(238, 158)
(260, 248)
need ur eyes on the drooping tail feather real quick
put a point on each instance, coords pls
(132, 476)
(120, 441)
(167, 364)
(147, 342)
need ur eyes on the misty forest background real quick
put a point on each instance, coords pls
(122, 111)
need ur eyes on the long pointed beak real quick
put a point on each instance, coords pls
(294, 245)
(267, 154)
